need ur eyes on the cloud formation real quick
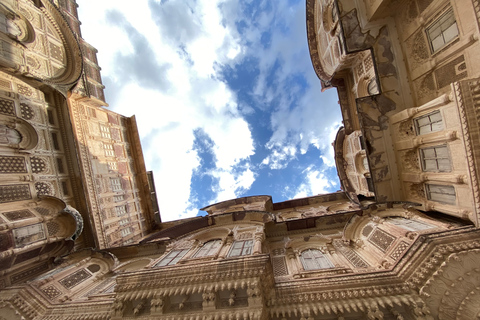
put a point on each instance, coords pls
(222, 90)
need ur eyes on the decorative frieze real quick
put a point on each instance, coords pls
(75, 278)
(9, 164)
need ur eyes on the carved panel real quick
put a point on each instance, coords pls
(278, 252)
(16, 192)
(381, 239)
(6, 241)
(51, 292)
(42, 211)
(12, 165)
(53, 228)
(24, 90)
(26, 111)
(399, 250)
(44, 188)
(7, 107)
(453, 71)
(75, 278)
(367, 230)
(18, 277)
(279, 266)
(39, 165)
(27, 255)
(18, 215)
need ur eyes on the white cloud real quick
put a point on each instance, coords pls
(188, 94)
(315, 183)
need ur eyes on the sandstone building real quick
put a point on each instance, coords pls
(80, 233)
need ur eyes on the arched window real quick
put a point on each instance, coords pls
(314, 259)
(410, 225)
(172, 258)
(209, 248)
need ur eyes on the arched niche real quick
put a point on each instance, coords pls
(17, 133)
(378, 214)
(54, 58)
(134, 265)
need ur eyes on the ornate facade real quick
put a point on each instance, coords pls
(80, 234)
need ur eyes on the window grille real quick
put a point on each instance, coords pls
(314, 259)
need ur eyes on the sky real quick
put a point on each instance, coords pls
(225, 96)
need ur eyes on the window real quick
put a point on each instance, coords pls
(108, 150)
(118, 198)
(112, 166)
(313, 259)
(123, 222)
(120, 210)
(209, 248)
(241, 248)
(372, 87)
(431, 122)
(116, 184)
(172, 258)
(410, 225)
(126, 232)
(442, 31)
(56, 144)
(28, 234)
(441, 193)
(105, 132)
(435, 159)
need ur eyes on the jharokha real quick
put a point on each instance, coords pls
(80, 230)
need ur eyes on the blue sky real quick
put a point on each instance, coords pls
(225, 96)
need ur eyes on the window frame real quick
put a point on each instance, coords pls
(436, 158)
(431, 123)
(206, 250)
(246, 248)
(410, 224)
(441, 22)
(318, 260)
(442, 196)
(116, 184)
(174, 256)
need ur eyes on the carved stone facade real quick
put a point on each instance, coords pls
(400, 242)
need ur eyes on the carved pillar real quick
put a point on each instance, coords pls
(448, 209)
(157, 305)
(227, 243)
(258, 239)
(433, 176)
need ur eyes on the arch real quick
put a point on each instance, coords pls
(28, 136)
(65, 54)
(133, 265)
(376, 213)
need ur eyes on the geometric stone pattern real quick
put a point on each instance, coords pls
(7, 107)
(38, 165)
(381, 239)
(12, 165)
(279, 266)
(15, 192)
(27, 273)
(23, 90)
(42, 211)
(43, 188)
(56, 52)
(353, 258)
(28, 255)
(53, 228)
(18, 215)
(51, 292)
(75, 278)
(399, 250)
(26, 111)
(366, 231)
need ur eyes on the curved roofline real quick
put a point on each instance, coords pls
(313, 43)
